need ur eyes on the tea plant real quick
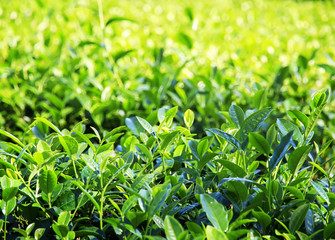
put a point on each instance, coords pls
(156, 180)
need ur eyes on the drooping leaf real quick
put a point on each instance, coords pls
(120, 54)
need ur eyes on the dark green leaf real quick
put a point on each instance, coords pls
(297, 158)
(286, 126)
(159, 199)
(259, 142)
(118, 19)
(223, 135)
(8, 206)
(236, 114)
(262, 218)
(280, 151)
(329, 231)
(300, 116)
(298, 218)
(9, 193)
(251, 124)
(47, 181)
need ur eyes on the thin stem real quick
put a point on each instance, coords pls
(5, 227)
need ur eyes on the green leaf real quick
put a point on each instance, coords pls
(145, 151)
(69, 144)
(296, 192)
(172, 228)
(259, 98)
(185, 40)
(64, 218)
(21, 231)
(214, 233)
(9, 193)
(118, 19)
(205, 159)
(142, 181)
(215, 212)
(239, 189)
(300, 116)
(8, 206)
(168, 139)
(188, 118)
(159, 199)
(46, 122)
(195, 229)
(223, 135)
(39, 233)
(170, 114)
(280, 151)
(286, 126)
(47, 181)
(259, 142)
(120, 54)
(147, 126)
(193, 145)
(297, 158)
(312, 120)
(15, 139)
(263, 218)
(83, 137)
(203, 147)
(236, 114)
(298, 218)
(321, 192)
(60, 230)
(329, 231)
(251, 124)
(319, 168)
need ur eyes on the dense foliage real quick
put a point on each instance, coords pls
(180, 120)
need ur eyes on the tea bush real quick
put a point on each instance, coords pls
(167, 120)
